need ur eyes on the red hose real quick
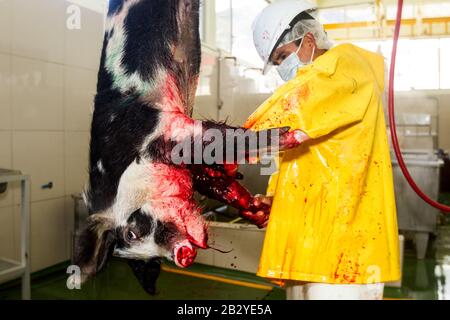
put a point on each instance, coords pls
(395, 143)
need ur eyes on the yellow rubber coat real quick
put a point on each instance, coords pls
(333, 218)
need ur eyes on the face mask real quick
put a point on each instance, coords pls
(288, 68)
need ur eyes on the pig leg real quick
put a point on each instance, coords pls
(246, 145)
(198, 140)
(217, 185)
(246, 142)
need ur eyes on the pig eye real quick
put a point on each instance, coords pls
(131, 236)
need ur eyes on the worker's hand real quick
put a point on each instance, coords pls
(259, 198)
(259, 215)
(292, 139)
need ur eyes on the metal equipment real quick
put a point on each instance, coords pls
(392, 120)
(417, 127)
(11, 269)
(415, 215)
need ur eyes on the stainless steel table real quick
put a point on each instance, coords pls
(11, 269)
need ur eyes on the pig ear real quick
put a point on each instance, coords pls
(94, 245)
(147, 272)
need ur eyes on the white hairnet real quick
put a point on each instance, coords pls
(302, 27)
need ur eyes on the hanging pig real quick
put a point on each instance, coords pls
(141, 201)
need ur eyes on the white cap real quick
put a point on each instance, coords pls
(272, 22)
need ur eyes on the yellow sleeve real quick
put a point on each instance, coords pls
(334, 101)
(330, 94)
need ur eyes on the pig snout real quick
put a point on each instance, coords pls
(184, 254)
(185, 251)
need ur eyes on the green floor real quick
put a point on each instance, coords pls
(118, 282)
(422, 279)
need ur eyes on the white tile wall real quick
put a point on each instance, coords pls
(38, 29)
(6, 162)
(79, 91)
(5, 149)
(48, 78)
(48, 233)
(70, 223)
(83, 45)
(5, 25)
(76, 154)
(40, 154)
(7, 232)
(37, 95)
(5, 91)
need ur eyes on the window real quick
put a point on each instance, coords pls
(408, 11)
(421, 63)
(360, 13)
(202, 20)
(426, 10)
(434, 10)
(234, 20)
(445, 63)
(347, 14)
(223, 25)
(332, 15)
(418, 64)
(244, 12)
